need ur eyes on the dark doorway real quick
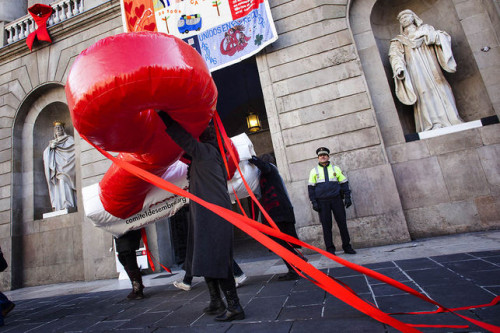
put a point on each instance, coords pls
(240, 92)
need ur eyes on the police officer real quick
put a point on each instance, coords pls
(327, 187)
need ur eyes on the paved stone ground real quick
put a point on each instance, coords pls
(453, 280)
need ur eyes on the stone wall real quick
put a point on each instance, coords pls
(11, 10)
(62, 248)
(316, 95)
(447, 184)
(450, 184)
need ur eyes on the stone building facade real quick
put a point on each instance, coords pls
(326, 81)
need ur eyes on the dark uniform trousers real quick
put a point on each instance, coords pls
(326, 207)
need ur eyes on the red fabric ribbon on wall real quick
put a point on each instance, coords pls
(40, 14)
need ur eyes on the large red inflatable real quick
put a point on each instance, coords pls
(112, 88)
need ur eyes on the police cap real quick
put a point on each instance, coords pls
(322, 150)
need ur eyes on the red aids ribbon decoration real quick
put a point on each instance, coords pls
(111, 90)
(40, 14)
(175, 79)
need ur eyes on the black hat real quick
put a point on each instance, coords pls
(322, 150)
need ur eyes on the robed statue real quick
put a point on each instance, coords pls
(417, 56)
(59, 163)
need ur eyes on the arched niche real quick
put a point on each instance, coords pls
(374, 24)
(33, 128)
(33, 247)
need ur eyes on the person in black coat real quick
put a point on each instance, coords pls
(209, 250)
(275, 200)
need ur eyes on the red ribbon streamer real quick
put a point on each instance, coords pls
(441, 310)
(382, 278)
(245, 224)
(40, 14)
(262, 232)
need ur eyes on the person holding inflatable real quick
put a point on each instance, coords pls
(209, 250)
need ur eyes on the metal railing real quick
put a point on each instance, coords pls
(22, 27)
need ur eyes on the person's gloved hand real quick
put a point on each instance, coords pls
(167, 120)
(347, 202)
(315, 206)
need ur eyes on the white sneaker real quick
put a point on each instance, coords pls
(181, 285)
(240, 279)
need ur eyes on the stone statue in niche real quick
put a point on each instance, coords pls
(59, 164)
(417, 56)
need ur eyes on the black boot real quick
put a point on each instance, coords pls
(7, 307)
(137, 286)
(290, 276)
(349, 250)
(234, 310)
(331, 249)
(216, 305)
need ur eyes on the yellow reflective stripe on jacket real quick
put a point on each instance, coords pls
(312, 177)
(317, 174)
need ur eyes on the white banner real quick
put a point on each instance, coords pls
(222, 31)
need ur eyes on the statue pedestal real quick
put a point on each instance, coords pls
(450, 129)
(56, 213)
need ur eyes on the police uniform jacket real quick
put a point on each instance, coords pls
(327, 182)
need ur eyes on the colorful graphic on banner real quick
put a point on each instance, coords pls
(222, 31)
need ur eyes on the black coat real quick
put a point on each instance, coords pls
(210, 237)
(274, 196)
